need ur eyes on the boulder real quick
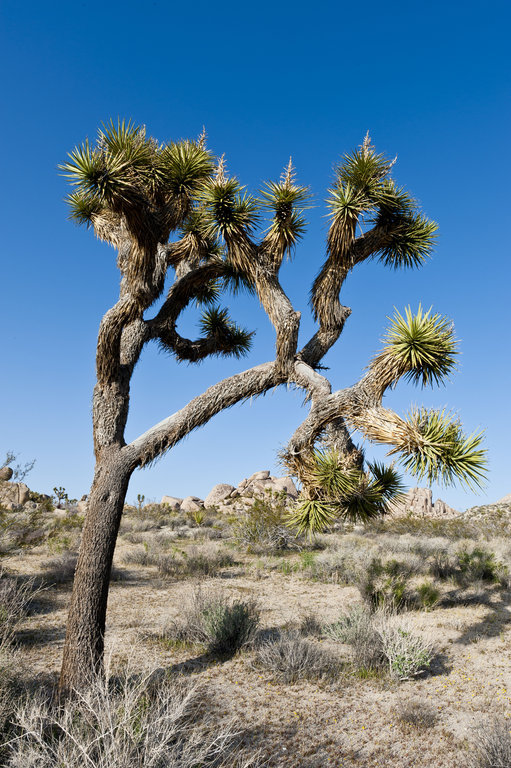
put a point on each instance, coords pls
(82, 507)
(285, 484)
(263, 475)
(5, 473)
(218, 494)
(191, 504)
(171, 501)
(13, 493)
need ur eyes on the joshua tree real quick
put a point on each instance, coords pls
(173, 207)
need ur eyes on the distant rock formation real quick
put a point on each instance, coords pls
(226, 497)
(419, 503)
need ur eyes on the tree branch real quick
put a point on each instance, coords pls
(200, 410)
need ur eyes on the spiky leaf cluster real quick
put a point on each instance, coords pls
(131, 175)
(439, 451)
(363, 188)
(421, 348)
(286, 202)
(337, 492)
(229, 338)
(230, 212)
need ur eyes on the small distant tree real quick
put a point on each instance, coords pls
(137, 194)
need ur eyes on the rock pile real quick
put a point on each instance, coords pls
(226, 497)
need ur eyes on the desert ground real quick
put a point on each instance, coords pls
(309, 686)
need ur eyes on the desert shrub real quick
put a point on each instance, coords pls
(263, 526)
(15, 597)
(222, 624)
(406, 653)
(197, 561)
(428, 595)
(141, 555)
(21, 529)
(197, 517)
(379, 642)
(416, 713)
(60, 570)
(479, 565)
(357, 629)
(385, 585)
(456, 528)
(442, 565)
(491, 747)
(130, 724)
(310, 626)
(289, 657)
(342, 564)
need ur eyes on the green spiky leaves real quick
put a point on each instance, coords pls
(229, 211)
(130, 174)
(83, 207)
(437, 449)
(363, 188)
(408, 236)
(337, 492)
(286, 202)
(229, 338)
(421, 348)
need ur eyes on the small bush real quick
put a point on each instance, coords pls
(205, 561)
(60, 570)
(428, 595)
(379, 642)
(223, 625)
(140, 556)
(442, 565)
(358, 630)
(310, 626)
(478, 565)
(15, 598)
(416, 713)
(290, 657)
(492, 746)
(133, 723)
(263, 527)
(385, 585)
(406, 653)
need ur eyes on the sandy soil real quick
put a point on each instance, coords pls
(347, 722)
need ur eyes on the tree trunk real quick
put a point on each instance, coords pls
(83, 648)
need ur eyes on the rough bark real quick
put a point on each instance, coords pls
(83, 650)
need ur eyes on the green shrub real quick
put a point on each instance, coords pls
(406, 653)
(263, 527)
(229, 627)
(479, 565)
(384, 585)
(223, 625)
(378, 642)
(428, 595)
(358, 630)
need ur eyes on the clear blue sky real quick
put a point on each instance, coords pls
(431, 81)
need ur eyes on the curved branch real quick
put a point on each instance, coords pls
(200, 410)
(330, 280)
